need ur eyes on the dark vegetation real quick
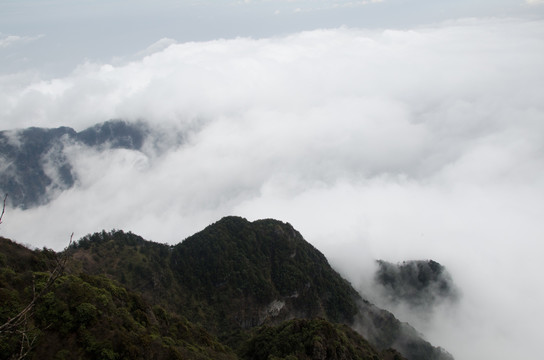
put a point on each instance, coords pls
(311, 339)
(418, 283)
(91, 316)
(236, 290)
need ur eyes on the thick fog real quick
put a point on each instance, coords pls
(425, 143)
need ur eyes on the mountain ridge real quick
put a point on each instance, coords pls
(237, 279)
(34, 163)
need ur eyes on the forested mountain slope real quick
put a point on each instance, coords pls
(217, 294)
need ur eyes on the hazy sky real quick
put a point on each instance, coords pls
(389, 129)
(57, 35)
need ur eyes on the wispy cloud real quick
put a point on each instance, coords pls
(13, 40)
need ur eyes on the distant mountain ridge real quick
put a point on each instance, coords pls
(33, 163)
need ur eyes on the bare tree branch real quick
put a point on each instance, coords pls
(3, 208)
(19, 319)
(19, 324)
(27, 340)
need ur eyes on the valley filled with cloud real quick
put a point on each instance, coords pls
(417, 143)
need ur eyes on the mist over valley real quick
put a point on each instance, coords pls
(384, 130)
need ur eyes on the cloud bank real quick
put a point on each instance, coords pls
(415, 144)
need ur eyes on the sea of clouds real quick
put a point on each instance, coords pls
(425, 143)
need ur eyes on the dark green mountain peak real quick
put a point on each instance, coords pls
(224, 292)
(262, 271)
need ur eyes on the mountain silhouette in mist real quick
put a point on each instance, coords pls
(34, 164)
(235, 290)
(421, 284)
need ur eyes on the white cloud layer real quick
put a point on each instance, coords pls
(424, 143)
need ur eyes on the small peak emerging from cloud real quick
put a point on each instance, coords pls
(421, 284)
(400, 134)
